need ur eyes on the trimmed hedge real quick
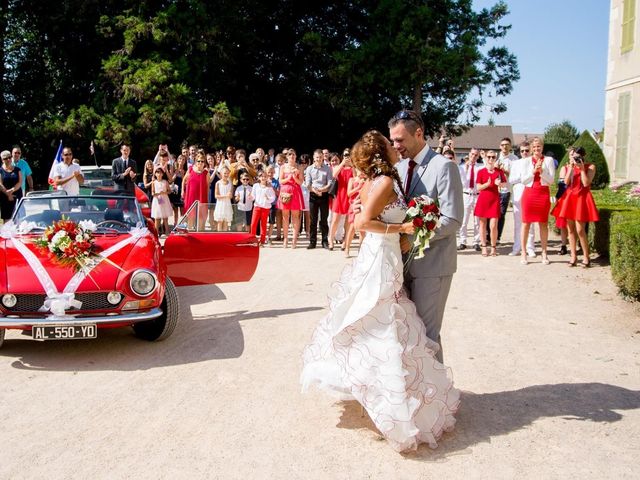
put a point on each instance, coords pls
(617, 236)
(600, 234)
(625, 256)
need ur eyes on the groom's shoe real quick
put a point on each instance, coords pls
(311, 246)
(476, 247)
(462, 246)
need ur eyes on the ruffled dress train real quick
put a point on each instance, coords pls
(372, 347)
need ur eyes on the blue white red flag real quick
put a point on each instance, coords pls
(57, 159)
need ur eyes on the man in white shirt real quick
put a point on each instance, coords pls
(68, 175)
(469, 177)
(505, 158)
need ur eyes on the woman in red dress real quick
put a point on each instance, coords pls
(537, 174)
(195, 186)
(488, 204)
(290, 200)
(577, 206)
(340, 203)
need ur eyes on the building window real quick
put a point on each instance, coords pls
(628, 25)
(622, 140)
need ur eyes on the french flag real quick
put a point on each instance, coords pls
(57, 159)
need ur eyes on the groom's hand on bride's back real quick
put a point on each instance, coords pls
(405, 244)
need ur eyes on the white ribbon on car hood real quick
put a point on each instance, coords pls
(57, 303)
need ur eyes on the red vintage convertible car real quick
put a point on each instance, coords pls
(130, 279)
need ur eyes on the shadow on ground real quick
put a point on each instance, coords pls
(487, 415)
(196, 339)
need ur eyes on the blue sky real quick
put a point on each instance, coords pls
(561, 47)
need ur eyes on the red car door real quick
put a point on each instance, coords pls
(199, 258)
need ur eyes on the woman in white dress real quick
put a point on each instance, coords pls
(372, 346)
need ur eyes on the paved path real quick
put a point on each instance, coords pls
(548, 358)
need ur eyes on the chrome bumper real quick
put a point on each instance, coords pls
(70, 319)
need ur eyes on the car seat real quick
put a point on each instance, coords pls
(47, 217)
(114, 214)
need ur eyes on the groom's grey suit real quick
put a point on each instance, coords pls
(428, 279)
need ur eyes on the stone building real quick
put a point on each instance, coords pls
(622, 105)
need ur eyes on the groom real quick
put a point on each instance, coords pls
(423, 171)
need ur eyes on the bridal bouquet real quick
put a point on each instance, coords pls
(71, 244)
(424, 213)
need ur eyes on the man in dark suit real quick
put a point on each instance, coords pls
(423, 171)
(123, 170)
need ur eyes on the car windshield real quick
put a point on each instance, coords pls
(109, 213)
(95, 177)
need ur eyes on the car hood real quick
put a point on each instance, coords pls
(20, 277)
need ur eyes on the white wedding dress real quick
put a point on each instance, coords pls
(372, 347)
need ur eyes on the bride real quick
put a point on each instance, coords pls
(371, 346)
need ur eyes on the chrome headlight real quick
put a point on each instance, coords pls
(114, 298)
(143, 282)
(9, 300)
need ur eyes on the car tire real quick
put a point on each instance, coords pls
(2, 331)
(162, 327)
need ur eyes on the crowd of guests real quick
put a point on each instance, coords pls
(278, 196)
(491, 179)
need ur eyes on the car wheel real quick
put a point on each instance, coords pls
(2, 330)
(163, 326)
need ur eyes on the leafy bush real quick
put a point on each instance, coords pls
(593, 155)
(564, 133)
(610, 215)
(557, 149)
(625, 256)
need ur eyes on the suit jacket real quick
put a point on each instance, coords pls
(122, 181)
(439, 178)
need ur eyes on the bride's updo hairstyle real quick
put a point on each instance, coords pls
(371, 156)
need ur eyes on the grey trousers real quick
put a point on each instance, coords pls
(430, 296)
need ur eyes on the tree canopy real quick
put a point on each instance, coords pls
(269, 73)
(563, 133)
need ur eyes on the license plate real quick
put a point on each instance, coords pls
(63, 332)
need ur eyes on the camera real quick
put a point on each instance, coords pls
(578, 159)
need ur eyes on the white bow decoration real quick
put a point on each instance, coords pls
(58, 303)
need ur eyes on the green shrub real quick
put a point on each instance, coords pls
(555, 148)
(614, 207)
(625, 256)
(593, 155)
(600, 232)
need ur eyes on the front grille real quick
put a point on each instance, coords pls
(28, 302)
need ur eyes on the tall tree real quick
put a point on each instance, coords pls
(430, 56)
(269, 73)
(563, 133)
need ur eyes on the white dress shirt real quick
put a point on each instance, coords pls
(465, 171)
(62, 170)
(263, 197)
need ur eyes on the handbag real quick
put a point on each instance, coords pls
(285, 197)
(333, 187)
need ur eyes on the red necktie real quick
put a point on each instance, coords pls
(472, 181)
(412, 165)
